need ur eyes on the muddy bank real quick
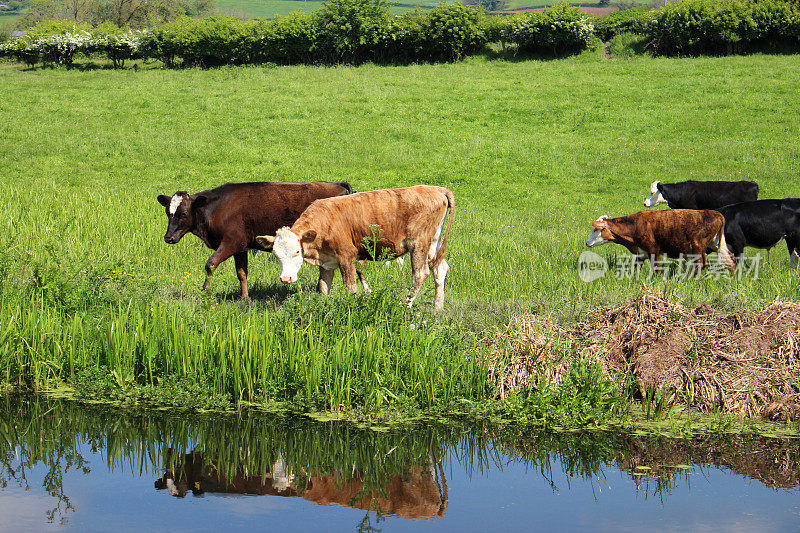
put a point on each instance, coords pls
(745, 363)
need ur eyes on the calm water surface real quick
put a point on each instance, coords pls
(67, 467)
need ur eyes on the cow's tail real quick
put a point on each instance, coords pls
(346, 186)
(723, 253)
(451, 207)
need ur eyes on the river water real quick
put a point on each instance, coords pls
(69, 467)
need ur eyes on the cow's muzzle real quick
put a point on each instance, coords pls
(287, 279)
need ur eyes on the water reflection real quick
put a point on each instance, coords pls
(420, 492)
(398, 473)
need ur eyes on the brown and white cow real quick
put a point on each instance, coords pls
(676, 232)
(335, 232)
(228, 218)
(418, 493)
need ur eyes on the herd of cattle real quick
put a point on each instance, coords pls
(323, 224)
(329, 226)
(722, 216)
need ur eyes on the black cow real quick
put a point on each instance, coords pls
(701, 194)
(228, 218)
(761, 224)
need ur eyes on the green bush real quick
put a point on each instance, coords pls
(59, 41)
(351, 31)
(21, 50)
(496, 27)
(635, 20)
(708, 26)
(560, 29)
(451, 31)
(117, 44)
(627, 45)
(287, 40)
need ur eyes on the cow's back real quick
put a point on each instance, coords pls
(244, 210)
(701, 195)
(395, 211)
(672, 229)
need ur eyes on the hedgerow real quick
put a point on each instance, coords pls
(710, 26)
(354, 31)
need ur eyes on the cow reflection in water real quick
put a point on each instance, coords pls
(420, 493)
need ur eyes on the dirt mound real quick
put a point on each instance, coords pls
(746, 363)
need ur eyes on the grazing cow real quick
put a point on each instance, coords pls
(701, 194)
(762, 224)
(228, 218)
(336, 232)
(673, 232)
(419, 493)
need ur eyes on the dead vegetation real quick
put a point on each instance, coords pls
(773, 462)
(746, 363)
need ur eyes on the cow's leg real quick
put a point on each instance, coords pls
(349, 273)
(420, 270)
(793, 244)
(220, 255)
(325, 280)
(698, 256)
(363, 281)
(439, 277)
(240, 260)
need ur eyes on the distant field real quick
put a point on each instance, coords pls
(8, 20)
(513, 5)
(270, 8)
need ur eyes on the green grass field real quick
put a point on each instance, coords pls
(533, 150)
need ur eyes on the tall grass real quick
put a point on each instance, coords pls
(314, 353)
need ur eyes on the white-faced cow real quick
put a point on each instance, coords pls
(420, 492)
(335, 232)
(675, 232)
(701, 194)
(762, 224)
(228, 218)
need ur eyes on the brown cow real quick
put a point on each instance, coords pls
(674, 233)
(421, 492)
(336, 232)
(228, 218)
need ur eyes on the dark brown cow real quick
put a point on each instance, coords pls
(336, 232)
(674, 233)
(420, 493)
(228, 218)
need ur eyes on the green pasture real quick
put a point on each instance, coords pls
(533, 150)
(251, 9)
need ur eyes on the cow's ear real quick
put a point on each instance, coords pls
(199, 201)
(309, 236)
(163, 199)
(266, 241)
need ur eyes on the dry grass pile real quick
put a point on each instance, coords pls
(746, 363)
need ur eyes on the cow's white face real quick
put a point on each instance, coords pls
(596, 237)
(287, 247)
(655, 197)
